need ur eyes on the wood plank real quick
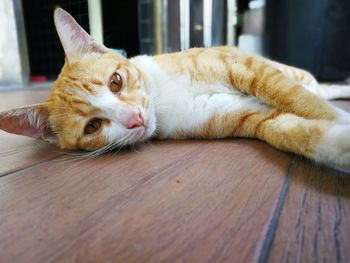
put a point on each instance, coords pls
(314, 222)
(18, 151)
(193, 201)
(18, 98)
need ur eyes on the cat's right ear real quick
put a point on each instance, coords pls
(75, 40)
(31, 121)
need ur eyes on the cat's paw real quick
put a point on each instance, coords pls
(334, 147)
(343, 116)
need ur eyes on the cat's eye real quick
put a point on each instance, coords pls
(93, 126)
(116, 82)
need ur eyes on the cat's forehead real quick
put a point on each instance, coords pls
(97, 69)
(92, 66)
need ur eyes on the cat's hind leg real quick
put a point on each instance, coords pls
(303, 98)
(333, 91)
(272, 86)
(307, 80)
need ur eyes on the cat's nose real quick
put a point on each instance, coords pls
(135, 120)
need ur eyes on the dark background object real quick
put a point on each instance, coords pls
(46, 56)
(120, 25)
(174, 41)
(146, 34)
(313, 34)
(219, 23)
(196, 23)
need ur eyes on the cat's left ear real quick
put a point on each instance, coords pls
(75, 40)
(31, 121)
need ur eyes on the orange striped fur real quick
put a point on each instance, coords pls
(102, 100)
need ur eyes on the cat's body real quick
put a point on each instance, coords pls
(223, 92)
(102, 100)
(194, 94)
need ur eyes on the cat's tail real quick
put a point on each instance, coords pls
(333, 91)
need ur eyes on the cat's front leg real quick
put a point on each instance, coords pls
(320, 140)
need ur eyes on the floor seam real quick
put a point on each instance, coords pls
(271, 231)
(29, 166)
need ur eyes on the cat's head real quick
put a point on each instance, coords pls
(100, 99)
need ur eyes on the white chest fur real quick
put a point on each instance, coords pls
(184, 105)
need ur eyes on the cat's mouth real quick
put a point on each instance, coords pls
(144, 132)
(144, 129)
(140, 131)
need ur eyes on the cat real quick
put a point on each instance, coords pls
(103, 100)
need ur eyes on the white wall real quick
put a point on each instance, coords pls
(11, 68)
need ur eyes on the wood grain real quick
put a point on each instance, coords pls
(16, 151)
(314, 222)
(169, 201)
(18, 98)
(173, 201)
(313, 225)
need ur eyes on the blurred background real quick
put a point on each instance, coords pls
(312, 34)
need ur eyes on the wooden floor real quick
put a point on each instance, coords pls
(172, 201)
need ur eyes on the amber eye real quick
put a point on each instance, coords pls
(116, 83)
(93, 126)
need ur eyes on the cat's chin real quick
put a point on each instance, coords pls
(148, 131)
(149, 128)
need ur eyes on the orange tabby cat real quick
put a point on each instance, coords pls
(101, 100)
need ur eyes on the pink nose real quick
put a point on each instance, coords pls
(135, 120)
